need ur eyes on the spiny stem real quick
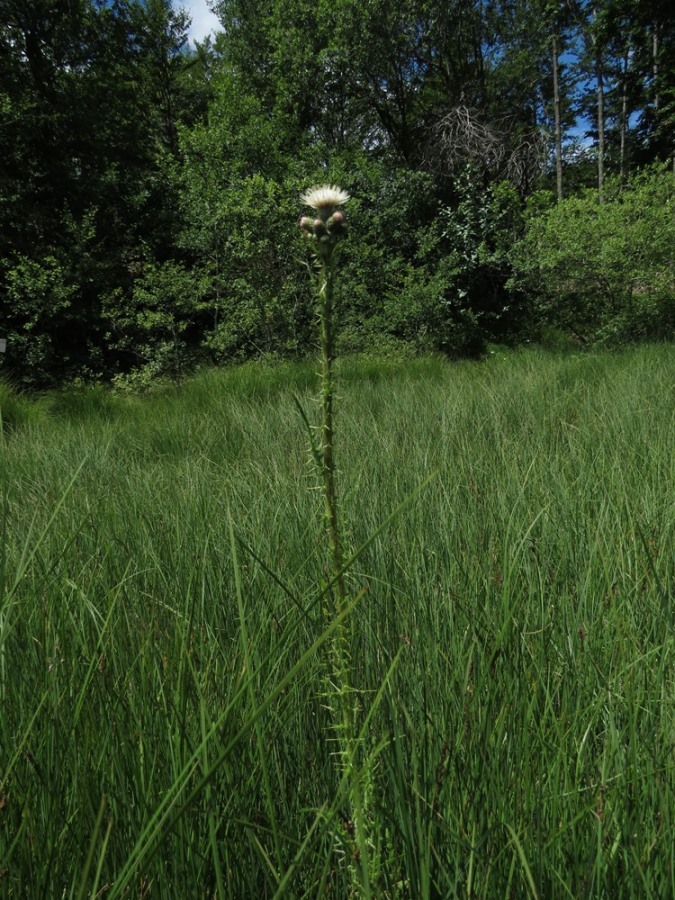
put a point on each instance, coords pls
(327, 460)
(347, 705)
(323, 235)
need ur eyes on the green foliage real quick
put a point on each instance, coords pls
(255, 306)
(480, 229)
(88, 113)
(153, 328)
(603, 267)
(452, 294)
(149, 190)
(390, 212)
(39, 296)
(239, 212)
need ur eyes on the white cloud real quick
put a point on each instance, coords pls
(203, 20)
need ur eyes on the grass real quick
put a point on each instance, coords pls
(163, 724)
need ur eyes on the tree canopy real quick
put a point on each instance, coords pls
(148, 189)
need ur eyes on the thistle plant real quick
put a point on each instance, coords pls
(323, 235)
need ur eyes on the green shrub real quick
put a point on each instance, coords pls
(152, 328)
(452, 296)
(35, 315)
(603, 267)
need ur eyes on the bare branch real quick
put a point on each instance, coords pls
(461, 138)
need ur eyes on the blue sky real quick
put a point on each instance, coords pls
(203, 20)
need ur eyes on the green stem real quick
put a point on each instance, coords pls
(347, 710)
(328, 464)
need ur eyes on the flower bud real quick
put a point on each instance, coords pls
(336, 224)
(319, 227)
(305, 224)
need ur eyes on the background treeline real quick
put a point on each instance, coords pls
(149, 191)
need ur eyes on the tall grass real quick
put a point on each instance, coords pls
(162, 727)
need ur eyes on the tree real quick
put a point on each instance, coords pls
(85, 118)
(531, 38)
(656, 62)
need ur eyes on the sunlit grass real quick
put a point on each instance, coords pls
(521, 744)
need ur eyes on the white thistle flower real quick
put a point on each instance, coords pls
(325, 199)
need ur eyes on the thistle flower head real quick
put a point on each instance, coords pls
(325, 199)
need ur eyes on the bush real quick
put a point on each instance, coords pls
(35, 315)
(453, 298)
(603, 268)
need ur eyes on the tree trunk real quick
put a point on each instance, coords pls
(601, 116)
(624, 115)
(556, 113)
(655, 64)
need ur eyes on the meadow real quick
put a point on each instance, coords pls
(164, 721)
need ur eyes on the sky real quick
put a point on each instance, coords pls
(203, 20)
